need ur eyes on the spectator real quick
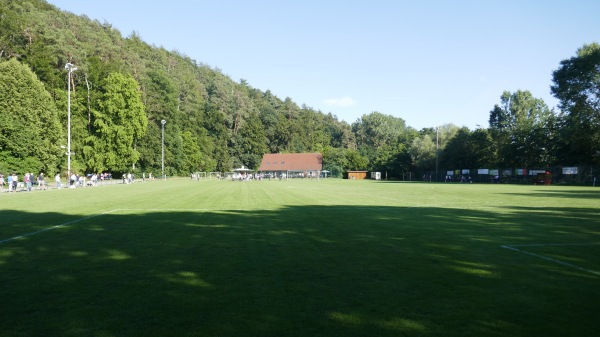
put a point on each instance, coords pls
(15, 181)
(27, 181)
(42, 182)
(9, 182)
(58, 182)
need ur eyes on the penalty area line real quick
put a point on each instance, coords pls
(563, 263)
(56, 226)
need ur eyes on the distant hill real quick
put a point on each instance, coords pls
(213, 123)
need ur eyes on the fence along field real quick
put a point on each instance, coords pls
(298, 258)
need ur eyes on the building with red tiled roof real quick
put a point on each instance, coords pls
(286, 162)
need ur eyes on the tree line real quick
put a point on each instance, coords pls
(123, 88)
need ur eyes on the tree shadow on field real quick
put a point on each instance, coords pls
(564, 193)
(296, 271)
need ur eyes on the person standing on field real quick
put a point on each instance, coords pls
(41, 182)
(73, 180)
(27, 181)
(57, 180)
(9, 182)
(15, 181)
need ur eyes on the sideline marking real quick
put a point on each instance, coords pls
(551, 259)
(57, 226)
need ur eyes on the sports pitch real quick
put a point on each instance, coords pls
(300, 258)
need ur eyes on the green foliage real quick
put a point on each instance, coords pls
(468, 149)
(215, 123)
(120, 120)
(383, 140)
(30, 133)
(253, 142)
(355, 161)
(427, 149)
(423, 152)
(377, 129)
(192, 157)
(577, 86)
(334, 161)
(519, 127)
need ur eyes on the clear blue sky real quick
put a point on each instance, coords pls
(428, 62)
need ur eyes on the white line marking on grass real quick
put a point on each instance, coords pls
(551, 259)
(168, 209)
(182, 209)
(555, 244)
(57, 226)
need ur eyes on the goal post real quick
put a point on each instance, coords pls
(199, 176)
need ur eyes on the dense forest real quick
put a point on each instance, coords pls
(123, 88)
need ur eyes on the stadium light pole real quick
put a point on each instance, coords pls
(436, 153)
(163, 122)
(70, 68)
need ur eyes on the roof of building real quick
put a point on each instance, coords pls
(291, 162)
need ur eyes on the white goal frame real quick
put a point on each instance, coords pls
(199, 176)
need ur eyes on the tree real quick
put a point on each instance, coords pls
(577, 87)
(118, 123)
(30, 132)
(334, 161)
(355, 161)
(377, 129)
(428, 148)
(422, 151)
(192, 157)
(519, 127)
(229, 123)
(482, 148)
(382, 139)
(467, 150)
(253, 142)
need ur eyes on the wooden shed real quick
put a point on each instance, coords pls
(356, 175)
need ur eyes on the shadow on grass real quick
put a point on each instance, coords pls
(571, 194)
(297, 271)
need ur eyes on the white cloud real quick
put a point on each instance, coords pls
(342, 102)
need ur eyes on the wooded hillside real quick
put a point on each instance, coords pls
(123, 88)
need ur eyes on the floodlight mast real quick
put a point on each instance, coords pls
(436, 153)
(163, 122)
(70, 68)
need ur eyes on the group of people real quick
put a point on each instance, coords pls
(128, 178)
(14, 183)
(29, 179)
(461, 178)
(80, 180)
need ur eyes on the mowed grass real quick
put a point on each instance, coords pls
(300, 258)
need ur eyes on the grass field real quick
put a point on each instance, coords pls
(300, 258)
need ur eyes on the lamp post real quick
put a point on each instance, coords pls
(436, 153)
(163, 122)
(70, 68)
